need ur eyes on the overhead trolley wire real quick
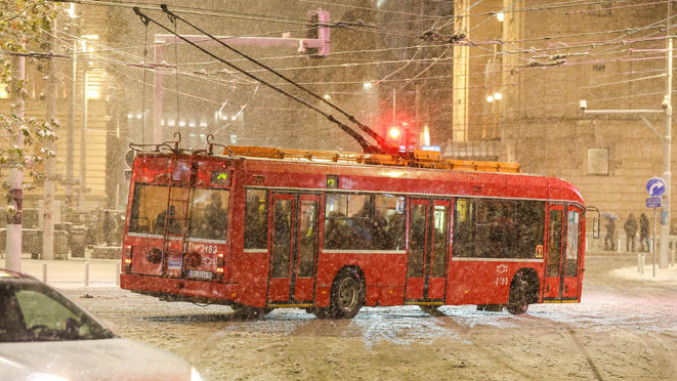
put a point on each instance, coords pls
(381, 142)
(366, 146)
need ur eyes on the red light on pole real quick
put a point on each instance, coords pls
(394, 133)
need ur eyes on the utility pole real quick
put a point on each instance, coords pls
(666, 106)
(70, 145)
(50, 161)
(15, 172)
(83, 143)
(667, 157)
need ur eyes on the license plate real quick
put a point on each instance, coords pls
(174, 264)
(200, 274)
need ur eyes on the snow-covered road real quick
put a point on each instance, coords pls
(625, 329)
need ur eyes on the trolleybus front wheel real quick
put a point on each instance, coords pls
(347, 294)
(321, 312)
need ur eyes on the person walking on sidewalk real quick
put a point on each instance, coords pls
(610, 231)
(644, 233)
(630, 232)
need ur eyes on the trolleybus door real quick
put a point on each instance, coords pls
(553, 260)
(294, 248)
(428, 250)
(562, 270)
(572, 265)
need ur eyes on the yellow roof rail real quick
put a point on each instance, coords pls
(419, 159)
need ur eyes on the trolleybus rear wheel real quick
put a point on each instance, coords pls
(519, 294)
(250, 313)
(347, 294)
(431, 310)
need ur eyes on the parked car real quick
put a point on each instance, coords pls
(45, 336)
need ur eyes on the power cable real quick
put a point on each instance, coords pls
(366, 146)
(381, 142)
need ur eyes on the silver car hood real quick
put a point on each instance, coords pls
(90, 360)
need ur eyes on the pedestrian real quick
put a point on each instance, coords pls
(644, 232)
(109, 228)
(630, 227)
(609, 237)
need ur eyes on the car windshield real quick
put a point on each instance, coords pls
(33, 312)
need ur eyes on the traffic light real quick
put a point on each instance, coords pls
(318, 34)
(398, 136)
(394, 133)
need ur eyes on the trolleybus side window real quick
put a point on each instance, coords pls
(389, 222)
(495, 229)
(209, 214)
(351, 223)
(464, 231)
(498, 228)
(256, 220)
(571, 260)
(346, 222)
(417, 241)
(529, 228)
(441, 225)
(308, 234)
(282, 229)
(147, 203)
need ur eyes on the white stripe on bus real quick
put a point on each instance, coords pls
(464, 259)
(364, 251)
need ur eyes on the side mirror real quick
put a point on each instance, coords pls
(595, 221)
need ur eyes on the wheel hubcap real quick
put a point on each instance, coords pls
(348, 293)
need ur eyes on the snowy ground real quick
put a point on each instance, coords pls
(624, 329)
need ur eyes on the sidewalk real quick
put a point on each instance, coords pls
(104, 272)
(71, 273)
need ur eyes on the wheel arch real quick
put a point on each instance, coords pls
(355, 270)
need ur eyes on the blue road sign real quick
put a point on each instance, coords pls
(655, 186)
(653, 202)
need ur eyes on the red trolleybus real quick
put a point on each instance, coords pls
(262, 228)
